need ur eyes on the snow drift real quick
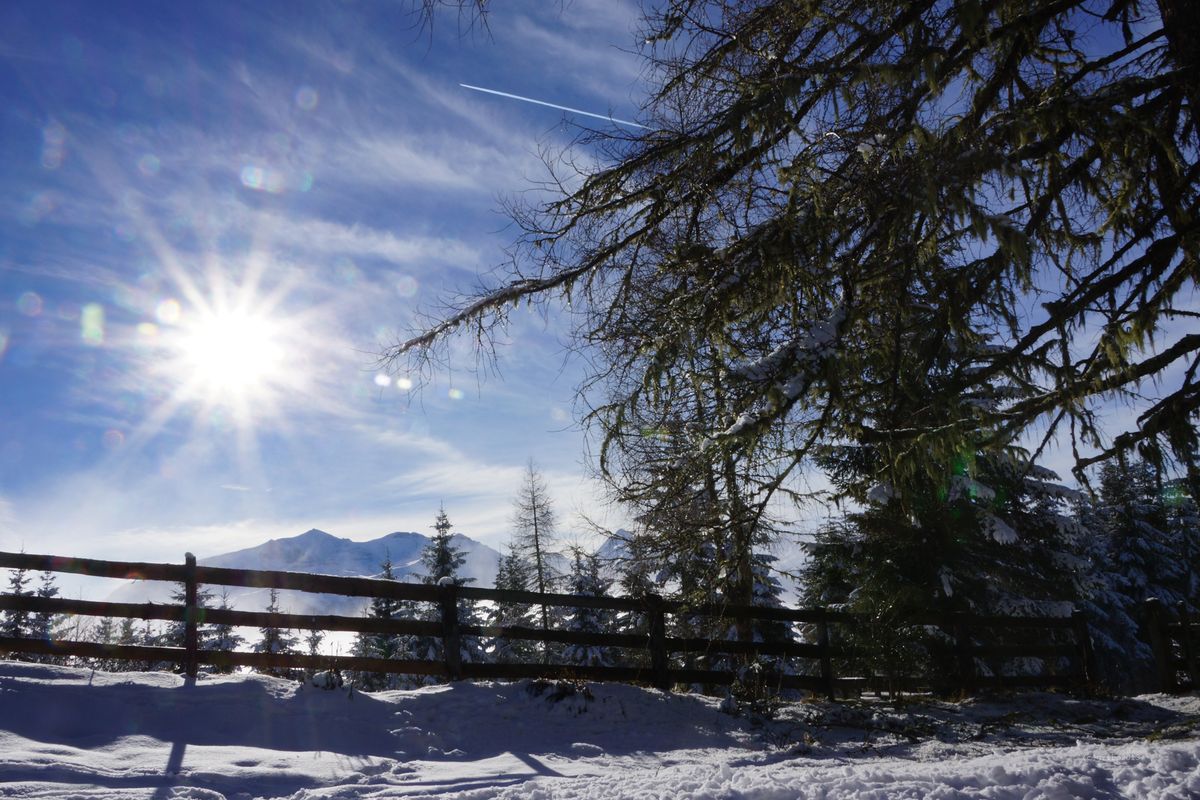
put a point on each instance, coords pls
(75, 733)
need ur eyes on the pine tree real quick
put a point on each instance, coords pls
(17, 623)
(533, 521)
(42, 624)
(817, 180)
(312, 645)
(1136, 549)
(584, 581)
(105, 632)
(636, 568)
(381, 645)
(1135, 523)
(440, 557)
(224, 637)
(992, 534)
(513, 574)
(636, 578)
(175, 634)
(275, 641)
(127, 636)
(442, 560)
(150, 636)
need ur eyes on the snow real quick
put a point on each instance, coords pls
(74, 733)
(316, 551)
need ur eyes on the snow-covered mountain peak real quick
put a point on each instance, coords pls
(320, 552)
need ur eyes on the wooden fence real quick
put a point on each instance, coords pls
(831, 660)
(1175, 640)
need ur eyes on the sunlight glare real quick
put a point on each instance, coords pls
(232, 353)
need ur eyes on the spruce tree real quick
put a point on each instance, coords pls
(17, 623)
(442, 560)
(584, 581)
(381, 645)
(224, 637)
(514, 574)
(275, 641)
(176, 630)
(105, 632)
(42, 623)
(1135, 522)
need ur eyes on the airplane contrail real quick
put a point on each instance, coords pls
(552, 105)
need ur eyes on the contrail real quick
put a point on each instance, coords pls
(552, 105)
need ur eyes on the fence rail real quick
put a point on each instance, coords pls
(666, 658)
(1175, 641)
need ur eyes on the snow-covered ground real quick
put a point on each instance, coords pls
(74, 733)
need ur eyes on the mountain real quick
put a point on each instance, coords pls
(320, 552)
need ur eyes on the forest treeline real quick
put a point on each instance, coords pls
(1013, 541)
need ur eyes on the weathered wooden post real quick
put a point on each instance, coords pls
(826, 661)
(1160, 644)
(451, 640)
(659, 662)
(191, 641)
(1087, 654)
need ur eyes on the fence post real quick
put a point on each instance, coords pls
(451, 641)
(1087, 655)
(659, 663)
(1160, 644)
(191, 642)
(966, 661)
(1188, 639)
(826, 661)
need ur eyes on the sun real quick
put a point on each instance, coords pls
(234, 354)
(238, 357)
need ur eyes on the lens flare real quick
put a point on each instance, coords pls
(30, 304)
(91, 324)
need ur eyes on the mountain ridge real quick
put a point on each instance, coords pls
(320, 552)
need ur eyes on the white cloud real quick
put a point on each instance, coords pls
(311, 235)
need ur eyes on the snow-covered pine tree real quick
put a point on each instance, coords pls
(381, 645)
(989, 533)
(175, 633)
(127, 635)
(514, 574)
(1183, 522)
(442, 560)
(696, 574)
(312, 647)
(1134, 520)
(16, 623)
(42, 623)
(224, 637)
(636, 573)
(1124, 659)
(150, 636)
(1135, 551)
(105, 632)
(275, 641)
(584, 580)
(636, 568)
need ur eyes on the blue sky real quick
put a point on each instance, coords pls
(213, 217)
